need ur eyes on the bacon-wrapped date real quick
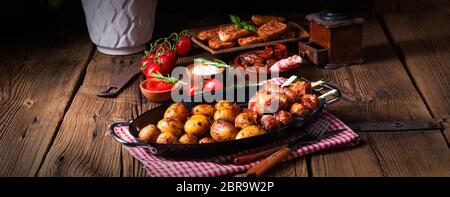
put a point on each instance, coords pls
(264, 102)
(301, 88)
(269, 122)
(283, 117)
(298, 109)
(310, 101)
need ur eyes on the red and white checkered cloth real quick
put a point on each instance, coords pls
(221, 165)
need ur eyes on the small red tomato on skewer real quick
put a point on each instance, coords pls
(212, 84)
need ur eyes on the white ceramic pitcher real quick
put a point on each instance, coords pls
(120, 27)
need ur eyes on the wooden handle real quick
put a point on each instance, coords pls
(255, 155)
(269, 162)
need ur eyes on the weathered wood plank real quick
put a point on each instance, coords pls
(131, 166)
(82, 146)
(423, 39)
(380, 89)
(294, 168)
(38, 78)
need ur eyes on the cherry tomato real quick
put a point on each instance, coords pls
(149, 54)
(151, 68)
(158, 85)
(212, 84)
(183, 45)
(143, 65)
(165, 64)
(172, 56)
(192, 89)
(169, 53)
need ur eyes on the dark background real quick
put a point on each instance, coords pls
(42, 17)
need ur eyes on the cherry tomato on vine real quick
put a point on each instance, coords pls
(165, 63)
(172, 56)
(183, 45)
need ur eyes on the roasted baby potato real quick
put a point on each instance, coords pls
(149, 133)
(244, 120)
(206, 140)
(226, 114)
(197, 125)
(173, 126)
(250, 131)
(226, 104)
(222, 130)
(188, 139)
(167, 138)
(177, 111)
(254, 115)
(204, 109)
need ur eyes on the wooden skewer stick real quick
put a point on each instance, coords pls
(289, 81)
(316, 83)
(328, 94)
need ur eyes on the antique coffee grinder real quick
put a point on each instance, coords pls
(335, 39)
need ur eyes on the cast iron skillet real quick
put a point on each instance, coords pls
(218, 148)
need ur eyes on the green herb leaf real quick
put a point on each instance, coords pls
(234, 19)
(214, 62)
(253, 28)
(161, 77)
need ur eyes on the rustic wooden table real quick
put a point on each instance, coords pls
(53, 124)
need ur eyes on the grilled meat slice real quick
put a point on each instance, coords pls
(233, 34)
(216, 43)
(272, 30)
(249, 40)
(259, 20)
(208, 34)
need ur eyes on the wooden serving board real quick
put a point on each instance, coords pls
(300, 34)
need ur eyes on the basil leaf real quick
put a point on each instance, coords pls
(253, 28)
(234, 19)
(238, 19)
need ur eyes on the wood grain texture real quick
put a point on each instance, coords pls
(293, 168)
(82, 146)
(425, 51)
(380, 89)
(38, 78)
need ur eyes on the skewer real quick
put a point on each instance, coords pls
(289, 81)
(317, 83)
(328, 94)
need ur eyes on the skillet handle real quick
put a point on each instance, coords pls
(119, 139)
(333, 91)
